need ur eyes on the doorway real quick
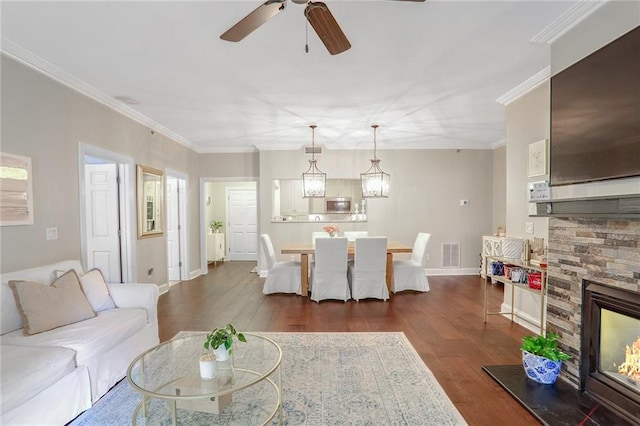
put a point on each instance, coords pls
(107, 212)
(177, 229)
(234, 203)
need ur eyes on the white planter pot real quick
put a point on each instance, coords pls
(221, 353)
(208, 366)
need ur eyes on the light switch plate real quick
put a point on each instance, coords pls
(528, 227)
(52, 233)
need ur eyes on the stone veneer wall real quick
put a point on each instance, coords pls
(599, 249)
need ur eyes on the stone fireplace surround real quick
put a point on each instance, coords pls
(605, 250)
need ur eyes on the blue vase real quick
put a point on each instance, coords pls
(541, 369)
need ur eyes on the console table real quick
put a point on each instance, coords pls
(528, 267)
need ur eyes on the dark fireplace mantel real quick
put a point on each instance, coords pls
(627, 206)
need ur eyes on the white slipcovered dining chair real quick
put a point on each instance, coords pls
(329, 270)
(352, 235)
(321, 234)
(410, 274)
(367, 274)
(282, 277)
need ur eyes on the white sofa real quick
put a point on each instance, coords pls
(51, 377)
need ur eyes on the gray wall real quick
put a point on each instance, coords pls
(46, 121)
(426, 188)
(499, 187)
(527, 121)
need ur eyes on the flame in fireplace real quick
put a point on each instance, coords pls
(631, 365)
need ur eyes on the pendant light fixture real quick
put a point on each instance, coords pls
(313, 180)
(375, 182)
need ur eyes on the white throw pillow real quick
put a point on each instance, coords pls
(96, 290)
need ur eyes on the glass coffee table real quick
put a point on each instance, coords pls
(242, 392)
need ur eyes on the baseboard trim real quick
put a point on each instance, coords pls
(524, 319)
(163, 288)
(452, 271)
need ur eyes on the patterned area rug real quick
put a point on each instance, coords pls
(327, 379)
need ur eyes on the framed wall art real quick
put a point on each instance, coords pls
(16, 190)
(537, 159)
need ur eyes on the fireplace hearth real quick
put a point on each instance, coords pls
(610, 353)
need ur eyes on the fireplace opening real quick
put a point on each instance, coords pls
(610, 355)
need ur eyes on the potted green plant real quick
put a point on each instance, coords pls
(541, 357)
(216, 225)
(220, 340)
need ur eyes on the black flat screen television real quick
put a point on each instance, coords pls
(595, 115)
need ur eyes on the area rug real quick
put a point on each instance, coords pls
(327, 379)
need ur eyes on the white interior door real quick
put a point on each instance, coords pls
(242, 232)
(103, 220)
(174, 262)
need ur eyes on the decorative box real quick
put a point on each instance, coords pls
(535, 280)
(497, 268)
(512, 247)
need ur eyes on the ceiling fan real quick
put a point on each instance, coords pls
(317, 13)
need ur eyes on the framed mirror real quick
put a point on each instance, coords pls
(150, 201)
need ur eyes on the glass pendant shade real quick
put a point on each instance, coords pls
(375, 182)
(314, 181)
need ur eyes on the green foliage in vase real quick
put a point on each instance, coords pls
(544, 346)
(223, 336)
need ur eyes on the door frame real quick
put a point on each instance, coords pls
(127, 191)
(204, 268)
(183, 184)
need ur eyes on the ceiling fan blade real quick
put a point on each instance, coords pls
(326, 27)
(252, 21)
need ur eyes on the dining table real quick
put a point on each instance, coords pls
(305, 249)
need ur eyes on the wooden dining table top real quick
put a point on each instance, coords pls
(309, 248)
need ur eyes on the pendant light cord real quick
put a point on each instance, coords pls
(375, 129)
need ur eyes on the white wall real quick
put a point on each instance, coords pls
(426, 188)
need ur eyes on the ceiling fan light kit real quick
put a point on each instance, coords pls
(317, 14)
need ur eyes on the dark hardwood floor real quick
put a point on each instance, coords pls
(444, 325)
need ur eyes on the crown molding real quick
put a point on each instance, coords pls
(498, 144)
(525, 87)
(37, 63)
(565, 22)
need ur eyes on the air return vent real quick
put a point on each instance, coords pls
(317, 150)
(450, 255)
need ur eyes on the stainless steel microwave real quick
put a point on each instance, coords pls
(337, 205)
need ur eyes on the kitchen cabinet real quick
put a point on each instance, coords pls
(292, 203)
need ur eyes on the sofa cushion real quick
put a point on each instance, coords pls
(96, 290)
(90, 338)
(45, 307)
(11, 319)
(28, 370)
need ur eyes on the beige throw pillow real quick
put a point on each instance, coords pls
(96, 290)
(44, 307)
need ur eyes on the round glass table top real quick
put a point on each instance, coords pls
(171, 370)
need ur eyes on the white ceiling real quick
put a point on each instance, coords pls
(428, 73)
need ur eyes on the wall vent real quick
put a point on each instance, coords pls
(317, 150)
(450, 255)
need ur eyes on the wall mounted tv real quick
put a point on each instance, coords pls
(595, 115)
